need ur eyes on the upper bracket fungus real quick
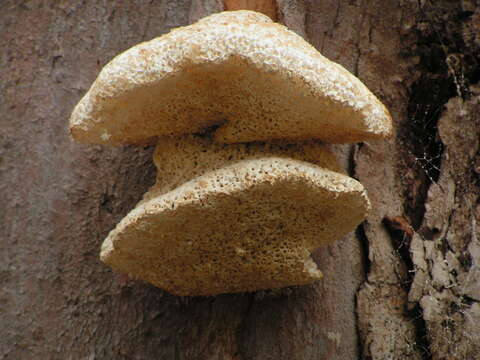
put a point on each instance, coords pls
(242, 208)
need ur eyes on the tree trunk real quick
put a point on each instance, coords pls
(406, 284)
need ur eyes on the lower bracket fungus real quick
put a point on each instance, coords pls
(241, 208)
(239, 217)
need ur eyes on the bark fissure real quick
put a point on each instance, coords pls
(438, 281)
(362, 238)
(429, 152)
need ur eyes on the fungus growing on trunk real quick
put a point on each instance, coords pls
(229, 213)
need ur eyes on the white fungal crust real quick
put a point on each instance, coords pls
(245, 218)
(238, 70)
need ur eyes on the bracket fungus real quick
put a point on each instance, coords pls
(245, 190)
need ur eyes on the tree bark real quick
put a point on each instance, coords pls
(404, 285)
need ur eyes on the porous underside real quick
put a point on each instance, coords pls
(254, 79)
(248, 221)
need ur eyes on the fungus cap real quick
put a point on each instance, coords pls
(238, 70)
(246, 217)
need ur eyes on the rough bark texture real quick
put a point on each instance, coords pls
(405, 285)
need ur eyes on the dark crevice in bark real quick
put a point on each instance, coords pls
(445, 70)
(351, 166)
(364, 246)
(421, 335)
(428, 96)
(447, 66)
(360, 230)
(401, 233)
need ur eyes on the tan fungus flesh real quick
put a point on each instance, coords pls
(238, 70)
(246, 220)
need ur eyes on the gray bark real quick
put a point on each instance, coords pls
(404, 285)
